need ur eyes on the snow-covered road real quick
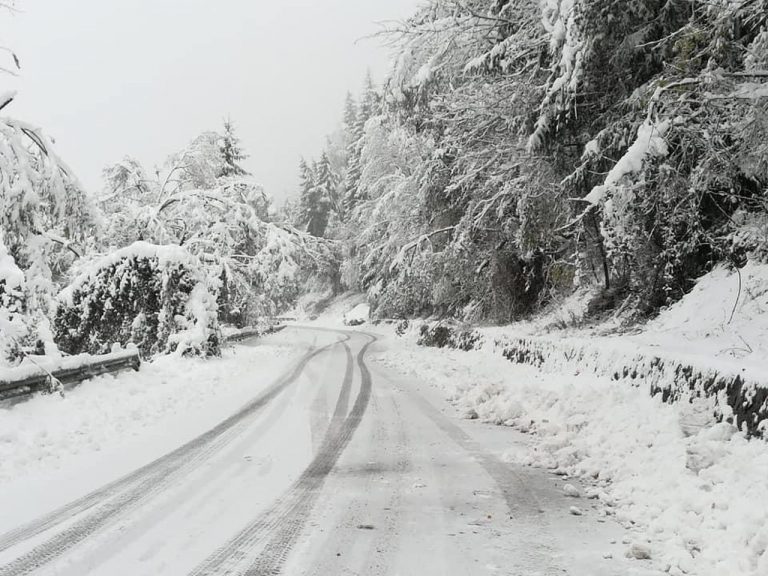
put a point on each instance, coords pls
(337, 467)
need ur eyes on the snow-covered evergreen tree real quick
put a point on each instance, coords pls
(317, 195)
(155, 297)
(231, 152)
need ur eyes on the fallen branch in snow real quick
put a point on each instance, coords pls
(738, 297)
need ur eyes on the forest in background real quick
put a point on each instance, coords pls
(522, 149)
(519, 150)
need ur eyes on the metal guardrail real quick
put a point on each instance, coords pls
(15, 389)
(40, 380)
(246, 333)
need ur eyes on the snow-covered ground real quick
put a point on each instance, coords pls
(113, 424)
(699, 504)
(724, 317)
(322, 309)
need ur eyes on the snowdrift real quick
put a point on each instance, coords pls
(709, 346)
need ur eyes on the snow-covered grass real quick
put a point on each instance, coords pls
(699, 502)
(169, 401)
(725, 316)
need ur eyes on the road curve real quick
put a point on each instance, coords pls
(387, 483)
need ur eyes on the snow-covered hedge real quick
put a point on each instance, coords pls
(155, 297)
(441, 335)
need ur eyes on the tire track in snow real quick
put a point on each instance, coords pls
(359, 511)
(211, 481)
(278, 528)
(382, 545)
(125, 494)
(522, 503)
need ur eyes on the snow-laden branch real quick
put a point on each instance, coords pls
(649, 143)
(6, 98)
(400, 258)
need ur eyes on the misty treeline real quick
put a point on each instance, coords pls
(523, 149)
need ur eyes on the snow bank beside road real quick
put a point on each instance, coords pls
(699, 502)
(713, 343)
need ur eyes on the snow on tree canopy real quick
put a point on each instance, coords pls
(14, 325)
(155, 297)
(206, 203)
(44, 214)
(648, 144)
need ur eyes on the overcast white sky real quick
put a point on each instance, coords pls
(143, 77)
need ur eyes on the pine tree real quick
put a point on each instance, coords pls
(318, 191)
(369, 106)
(231, 152)
(350, 113)
(370, 101)
(306, 179)
(328, 183)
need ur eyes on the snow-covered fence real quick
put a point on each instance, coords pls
(17, 383)
(737, 396)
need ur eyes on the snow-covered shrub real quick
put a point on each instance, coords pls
(402, 327)
(442, 336)
(156, 297)
(435, 336)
